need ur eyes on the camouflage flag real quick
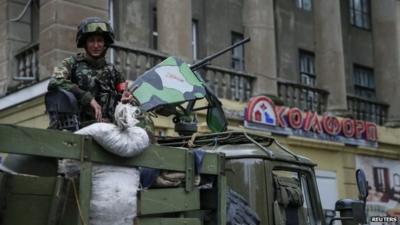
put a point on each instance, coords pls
(169, 83)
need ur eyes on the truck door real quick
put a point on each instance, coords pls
(295, 201)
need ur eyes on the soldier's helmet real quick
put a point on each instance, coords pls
(94, 25)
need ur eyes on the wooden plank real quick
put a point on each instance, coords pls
(201, 214)
(85, 191)
(56, 201)
(62, 144)
(33, 141)
(159, 157)
(222, 198)
(167, 221)
(154, 156)
(189, 173)
(210, 164)
(26, 209)
(166, 200)
(31, 185)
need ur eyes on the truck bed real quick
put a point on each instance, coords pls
(34, 198)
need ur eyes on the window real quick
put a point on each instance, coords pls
(195, 36)
(238, 52)
(154, 29)
(304, 4)
(293, 193)
(364, 85)
(26, 58)
(307, 68)
(360, 13)
(307, 78)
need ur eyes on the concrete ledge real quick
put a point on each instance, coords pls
(24, 95)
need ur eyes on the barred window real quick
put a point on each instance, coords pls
(364, 84)
(304, 4)
(360, 13)
(238, 52)
(307, 68)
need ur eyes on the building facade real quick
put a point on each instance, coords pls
(336, 57)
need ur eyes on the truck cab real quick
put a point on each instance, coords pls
(278, 185)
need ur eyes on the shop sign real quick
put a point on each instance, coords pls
(261, 113)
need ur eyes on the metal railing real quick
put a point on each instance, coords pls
(27, 61)
(369, 110)
(134, 61)
(303, 97)
(225, 83)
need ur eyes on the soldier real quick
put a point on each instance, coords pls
(95, 83)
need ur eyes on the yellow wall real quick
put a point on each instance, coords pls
(30, 114)
(329, 156)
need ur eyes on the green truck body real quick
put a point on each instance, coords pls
(244, 162)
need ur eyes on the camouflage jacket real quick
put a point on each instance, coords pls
(87, 78)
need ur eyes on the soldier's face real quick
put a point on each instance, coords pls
(95, 46)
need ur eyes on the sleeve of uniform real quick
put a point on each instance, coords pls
(61, 78)
(119, 80)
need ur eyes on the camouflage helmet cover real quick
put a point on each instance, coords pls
(94, 25)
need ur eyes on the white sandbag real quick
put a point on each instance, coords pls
(114, 189)
(126, 139)
(114, 192)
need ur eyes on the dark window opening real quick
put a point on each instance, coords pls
(364, 84)
(154, 29)
(238, 52)
(195, 39)
(307, 68)
(360, 13)
(304, 4)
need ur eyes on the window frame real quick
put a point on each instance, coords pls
(367, 90)
(300, 4)
(237, 54)
(309, 72)
(360, 17)
(312, 190)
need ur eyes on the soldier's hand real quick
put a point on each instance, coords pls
(126, 97)
(97, 109)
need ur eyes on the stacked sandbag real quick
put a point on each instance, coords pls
(114, 198)
(114, 188)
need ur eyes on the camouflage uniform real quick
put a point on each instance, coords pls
(87, 78)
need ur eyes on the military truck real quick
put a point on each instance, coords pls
(245, 177)
(272, 184)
